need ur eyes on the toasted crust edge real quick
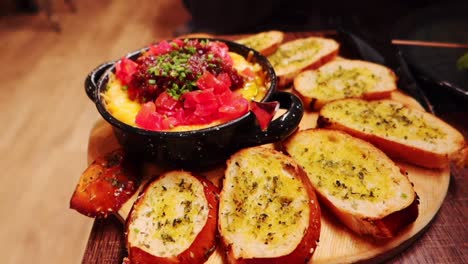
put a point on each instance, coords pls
(206, 238)
(385, 227)
(306, 247)
(286, 79)
(271, 49)
(273, 46)
(394, 149)
(315, 104)
(380, 228)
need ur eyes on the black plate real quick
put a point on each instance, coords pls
(444, 22)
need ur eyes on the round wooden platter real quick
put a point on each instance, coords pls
(337, 243)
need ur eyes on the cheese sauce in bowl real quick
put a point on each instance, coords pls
(191, 102)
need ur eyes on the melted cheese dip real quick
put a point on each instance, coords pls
(121, 107)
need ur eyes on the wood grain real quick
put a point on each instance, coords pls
(46, 116)
(337, 243)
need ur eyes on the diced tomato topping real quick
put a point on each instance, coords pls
(193, 119)
(225, 83)
(161, 48)
(207, 110)
(222, 50)
(180, 43)
(218, 84)
(237, 107)
(167, 102)
(125, 69)
(169, 122)
(207, 81)
(148, 118)
(200, 107)
(184, 83)
(192, 99)
(179, 114)
(226, 97)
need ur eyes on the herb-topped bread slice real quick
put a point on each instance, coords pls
(268, 210)
(106, 185)
(298, 55)
(264, 42)
(174, 220)
(405, 133)
(357, 181)
(343, 78)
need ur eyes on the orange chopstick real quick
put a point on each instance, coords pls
(429, 44)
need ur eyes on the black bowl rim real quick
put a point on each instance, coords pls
(259, 58)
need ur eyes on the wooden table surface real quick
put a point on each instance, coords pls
(444, 241)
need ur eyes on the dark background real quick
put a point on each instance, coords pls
(375, 21)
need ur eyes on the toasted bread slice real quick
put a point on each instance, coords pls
(357, 181)
(298, 55)
(341, 79)
(268, 210)
(404, 133)
(174, 220)
(264, 42)
(106, 185)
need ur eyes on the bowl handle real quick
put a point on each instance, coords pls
(93, 78)
(281, 127)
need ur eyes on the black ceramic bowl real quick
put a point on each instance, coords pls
(202, 147)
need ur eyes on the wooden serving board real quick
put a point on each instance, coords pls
(337, 243)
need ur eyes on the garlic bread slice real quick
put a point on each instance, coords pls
(339, 79)
(268, 209)
(264, 42)
(295, 56)
(357, 181)
(173, 220)
(401, 132)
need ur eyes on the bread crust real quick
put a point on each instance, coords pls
(106, 185)
(205, 241)
(306, 247)
(271, 49)
(383, 225)
(401, 151)
(286, 71)
(380, 228)
(286, 79)
(266, 42)
(382, 88)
